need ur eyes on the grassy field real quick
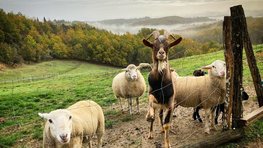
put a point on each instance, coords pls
(46, 86)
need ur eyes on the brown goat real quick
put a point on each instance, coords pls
(161, 86)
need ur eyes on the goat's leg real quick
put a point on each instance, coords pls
(166, 127)
(161, 119)
(150, 119)
(150, 116)
(207, 115)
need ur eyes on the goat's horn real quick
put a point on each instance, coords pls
(172, 36)
(166, 34)
(156, 34)
(149, 36)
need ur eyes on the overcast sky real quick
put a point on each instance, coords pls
(92, 10)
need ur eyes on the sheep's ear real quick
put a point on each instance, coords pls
(147, 43)
(43, 115)
(124, 69)
(144, 65)
(207, 67)
(175, 42)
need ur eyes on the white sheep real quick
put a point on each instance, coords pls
(129, 84)
(204, 91)
(68, 127)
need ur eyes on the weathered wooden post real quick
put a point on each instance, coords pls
(237, 46)
(229, 66)
(252, 62)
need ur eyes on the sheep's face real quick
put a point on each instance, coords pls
(60, 124)
(131, 72)
(217, 68)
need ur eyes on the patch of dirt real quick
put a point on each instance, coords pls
(183, 130)
(133, 132)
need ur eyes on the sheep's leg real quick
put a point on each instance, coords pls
(138, 107)
(76, 142)
(194, 113)
(224, 117)
(166, 127)
(130, 105)
(197, 113)
(207, 114)
(99, 136)
(120, 103)
(212, 114)
(216, 109)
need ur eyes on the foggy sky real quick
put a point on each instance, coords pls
(92, 10)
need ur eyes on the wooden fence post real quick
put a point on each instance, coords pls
(252, 61)
(237, 46)
(229, 65)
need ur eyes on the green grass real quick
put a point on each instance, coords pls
(46, 86)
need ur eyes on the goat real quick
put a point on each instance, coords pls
(161, 86)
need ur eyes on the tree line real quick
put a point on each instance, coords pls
(24, 40)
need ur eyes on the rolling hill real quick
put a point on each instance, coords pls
(169, 20)
(45, 86)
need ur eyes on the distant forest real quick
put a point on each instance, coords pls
(24, 40)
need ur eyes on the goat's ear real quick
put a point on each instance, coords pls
(147, 43)
(175, 42)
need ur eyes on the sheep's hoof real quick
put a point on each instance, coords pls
(213, 128)
(225, 127)
(207, 131)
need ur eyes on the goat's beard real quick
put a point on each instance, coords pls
(161, 66)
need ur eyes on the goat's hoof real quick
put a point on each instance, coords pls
(137, 113)
(150, 136)
(150, 118)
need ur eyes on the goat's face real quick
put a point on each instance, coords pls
(60, 124)
(160, 45)
(131, 72)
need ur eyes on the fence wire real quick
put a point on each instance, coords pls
(55, 76)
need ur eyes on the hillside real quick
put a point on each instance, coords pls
(45, 86)
(169, 20)
(213, 31)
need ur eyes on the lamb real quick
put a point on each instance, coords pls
(129, 84)
(68, 127)
(204, 91)
(161, 86)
